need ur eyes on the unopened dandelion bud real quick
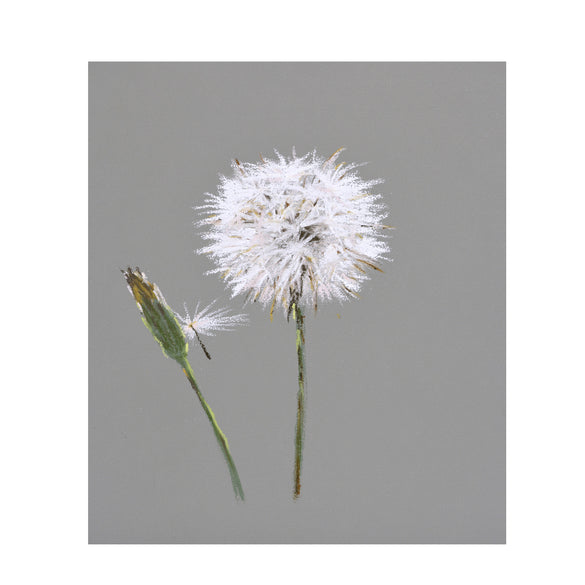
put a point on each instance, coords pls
(157, 315)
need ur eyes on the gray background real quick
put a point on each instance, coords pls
(405, 434)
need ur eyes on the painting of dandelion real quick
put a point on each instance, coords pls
(326, 364)
(295, 233)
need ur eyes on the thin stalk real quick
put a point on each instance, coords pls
(300, 427)
(221, 438)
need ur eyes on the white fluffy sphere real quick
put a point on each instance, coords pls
(295, 230)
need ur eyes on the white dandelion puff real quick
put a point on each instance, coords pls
(295, 230)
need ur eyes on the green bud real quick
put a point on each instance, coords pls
(157, 315)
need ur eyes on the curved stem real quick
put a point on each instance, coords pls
(221, 438)
(300, 426)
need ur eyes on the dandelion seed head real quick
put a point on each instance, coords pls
(295, 230)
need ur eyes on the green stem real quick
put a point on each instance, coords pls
(300, 427)
(221, 438)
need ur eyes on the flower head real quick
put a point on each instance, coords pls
(156, 314)
(207, 321)
(295, 231)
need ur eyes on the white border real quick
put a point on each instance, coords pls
(46, 47)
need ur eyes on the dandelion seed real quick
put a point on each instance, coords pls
(208, 322)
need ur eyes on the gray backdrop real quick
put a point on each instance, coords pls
(405, 433)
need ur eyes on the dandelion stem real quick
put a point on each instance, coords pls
(300, 427)
(221, 438)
